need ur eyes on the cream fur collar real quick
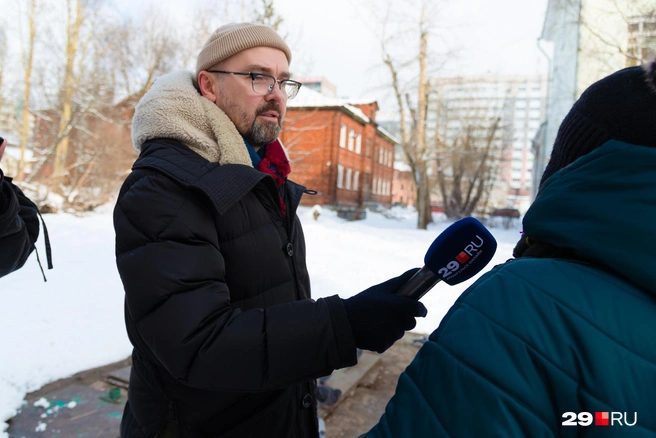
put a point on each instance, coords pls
(173, 108)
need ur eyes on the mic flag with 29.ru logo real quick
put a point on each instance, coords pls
(457, 254)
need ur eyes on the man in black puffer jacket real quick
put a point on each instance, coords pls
(19, 225)
(227, 340)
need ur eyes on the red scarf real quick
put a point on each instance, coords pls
(276, 164)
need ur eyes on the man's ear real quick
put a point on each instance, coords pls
(206, 86)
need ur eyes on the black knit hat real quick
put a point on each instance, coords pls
(621, 106)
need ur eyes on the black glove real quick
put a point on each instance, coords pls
(379, 318)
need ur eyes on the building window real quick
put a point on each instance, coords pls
(642, 39)
(342, 136)
(340, 176)
(358, 144)
(351, 140)
(374, 186)
(356, 180)
(348, 178)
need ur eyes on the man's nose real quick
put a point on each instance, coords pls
(276, 94)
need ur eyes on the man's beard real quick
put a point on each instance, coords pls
(263, 132)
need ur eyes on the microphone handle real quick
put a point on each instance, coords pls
(419, 284)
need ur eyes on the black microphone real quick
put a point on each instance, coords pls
(456, 255)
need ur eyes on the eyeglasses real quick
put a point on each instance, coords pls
(264, 84)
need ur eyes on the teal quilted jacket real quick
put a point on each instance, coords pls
(535, 338)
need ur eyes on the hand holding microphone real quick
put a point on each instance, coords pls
(380, 315)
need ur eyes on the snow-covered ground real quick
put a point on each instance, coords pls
(75, 321)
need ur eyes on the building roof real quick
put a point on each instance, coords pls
(308, 98)
(401, 166)
(386, 134)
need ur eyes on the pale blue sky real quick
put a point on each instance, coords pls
(330, 40)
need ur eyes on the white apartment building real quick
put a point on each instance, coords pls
(519, 102)
(584, 41)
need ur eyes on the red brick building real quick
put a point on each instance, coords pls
(337, 149)
(404, 188)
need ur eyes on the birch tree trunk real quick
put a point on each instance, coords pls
(28, 59)
(75, 17)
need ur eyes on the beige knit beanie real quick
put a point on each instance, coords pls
(232, 38)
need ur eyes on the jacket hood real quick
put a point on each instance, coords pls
(602, 207)
(173, 108)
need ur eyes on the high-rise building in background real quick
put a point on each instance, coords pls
(507, 112)
(319, 84)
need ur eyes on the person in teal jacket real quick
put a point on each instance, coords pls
(561, 340)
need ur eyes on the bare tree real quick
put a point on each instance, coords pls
(412, 110)
(612, 33)
(76, 14)
(64, 121)
(28, 59)
(208, 18)
(467, 163)
(85, 85)
(146, 49)
(3, 59)
(205, 21)
(266, 14)
(86, 82)
(632, 14)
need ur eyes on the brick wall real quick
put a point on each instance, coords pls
(404, 190)
(312, 137)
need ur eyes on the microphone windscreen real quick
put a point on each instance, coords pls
(461, 251)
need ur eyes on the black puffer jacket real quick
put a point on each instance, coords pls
(19, 226)
(226, 338)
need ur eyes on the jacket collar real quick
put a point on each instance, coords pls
(224, 184)
(601, 206)
(173, 108)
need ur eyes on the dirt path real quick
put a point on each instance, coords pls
(354, 416)
(362, 409)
